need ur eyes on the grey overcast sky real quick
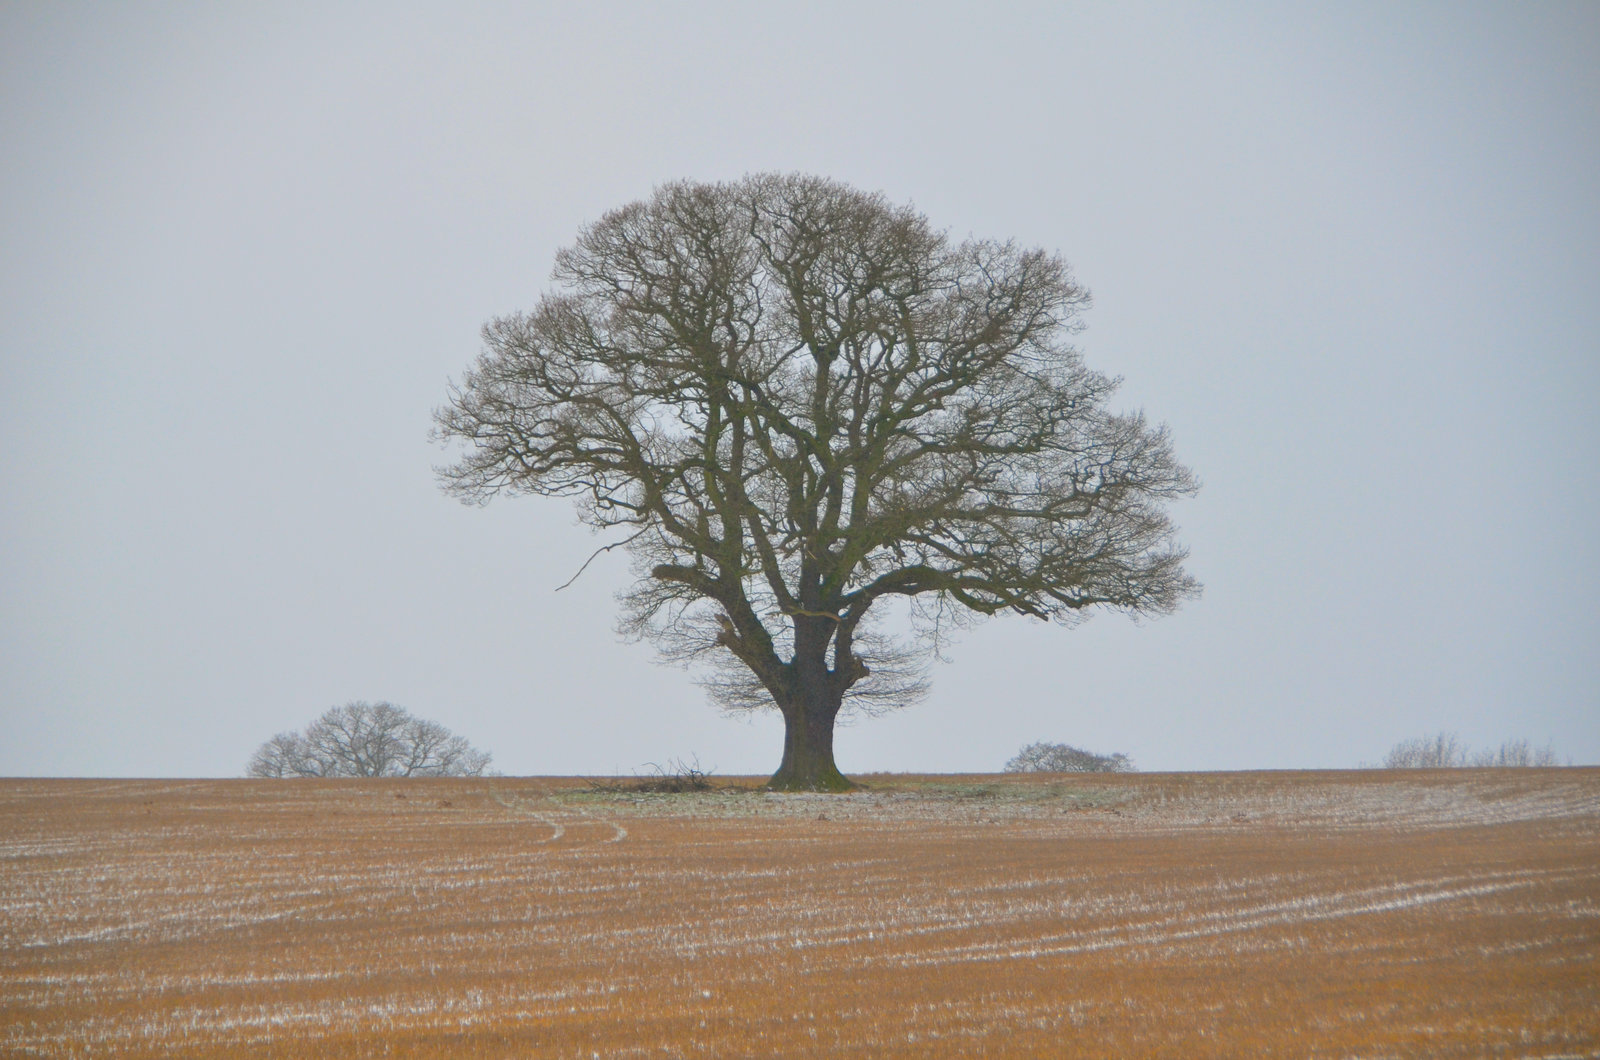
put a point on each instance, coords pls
(1349, 252)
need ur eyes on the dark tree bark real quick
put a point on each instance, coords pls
(797, 402)
(810, 706)
(808, 763)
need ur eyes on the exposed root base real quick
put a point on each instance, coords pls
(832, 781)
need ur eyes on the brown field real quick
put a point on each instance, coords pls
(1360, 914)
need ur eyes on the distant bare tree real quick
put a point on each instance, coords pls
(1062, 758)
(368, 740)
(1446, 750)
(284, 755)
(798, 405)
(1517, 753)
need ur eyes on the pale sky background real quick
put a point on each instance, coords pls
(1350, 253)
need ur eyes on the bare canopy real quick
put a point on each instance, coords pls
(1064, 758)
(368, 740)
(798, 402)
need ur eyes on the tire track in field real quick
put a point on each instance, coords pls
(70, 790)
(1288, 912)
(168, 927)
(557, 820)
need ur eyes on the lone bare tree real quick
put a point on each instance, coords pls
(798, 402)
(368, 740)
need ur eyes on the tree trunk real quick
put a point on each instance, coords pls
(808, 749)
(810, 702)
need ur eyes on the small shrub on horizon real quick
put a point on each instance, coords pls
(1044, 757)
(675, 778)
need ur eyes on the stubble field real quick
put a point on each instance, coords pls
(1361, 914)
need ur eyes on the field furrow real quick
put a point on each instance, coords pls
(1362, 914)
